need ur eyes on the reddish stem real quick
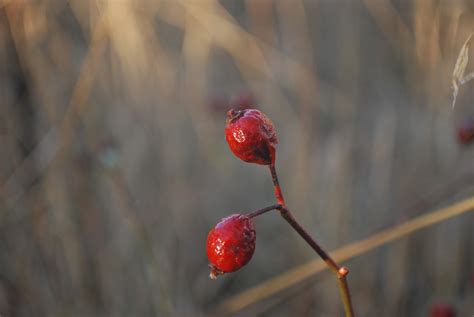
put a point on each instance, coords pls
(340, 271)
(276, 185)
(288, 216)
(258, 212)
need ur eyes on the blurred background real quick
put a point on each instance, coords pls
(114, 165)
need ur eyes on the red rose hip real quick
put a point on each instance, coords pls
(230, 244)
(251, 136)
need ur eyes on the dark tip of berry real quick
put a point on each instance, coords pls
(233, 115)
(214, 272)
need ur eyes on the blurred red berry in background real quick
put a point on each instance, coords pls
(465, 131)
(243, 101)
(442, 310)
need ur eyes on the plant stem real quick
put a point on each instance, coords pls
(276, 185)
(258, 212)
(339, 271)
(288, 216)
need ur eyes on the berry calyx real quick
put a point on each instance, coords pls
(230, 244)
(251, 136)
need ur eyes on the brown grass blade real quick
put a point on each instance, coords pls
(305, 271)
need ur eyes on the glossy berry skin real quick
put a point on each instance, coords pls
(230, 244)
(465, 132)
(251, 136)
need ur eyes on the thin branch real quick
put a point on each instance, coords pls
(308, 270)
(258, 212)
(340, 271)
(276, 185)
(288, 216)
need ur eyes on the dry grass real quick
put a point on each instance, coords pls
(114, 165)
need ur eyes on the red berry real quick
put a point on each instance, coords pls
(230, 244)
(251, 136)
(442, 310)
(466, 132)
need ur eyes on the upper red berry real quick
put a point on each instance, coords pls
(251, 136)
(466, 132)
(230, 244)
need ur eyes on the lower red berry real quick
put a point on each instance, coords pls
(230, 244)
